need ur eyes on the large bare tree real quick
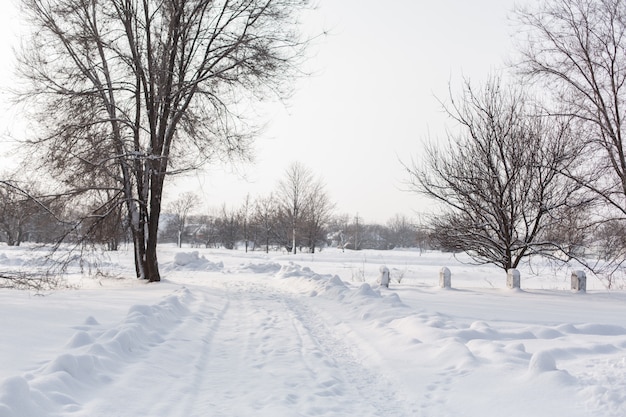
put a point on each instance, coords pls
(576, 49)
(135, 90)
(497, 179)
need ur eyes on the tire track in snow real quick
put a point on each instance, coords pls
(271, 356)
(311, 369)
(367, 385)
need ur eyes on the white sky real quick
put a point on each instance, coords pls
(372, 101)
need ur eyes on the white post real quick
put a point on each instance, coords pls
(513, 278)
(579, 281)
(445, 278)
(384, 277)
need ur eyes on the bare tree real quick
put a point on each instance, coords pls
(228, 227)
(265, 217)
(104, 222)
(319, 211)
(17, 210)
(294, 194)
(135, 90)
(498, 178)
(576, 49)
(403, 232)
(181, 208)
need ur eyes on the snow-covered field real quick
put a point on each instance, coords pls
(234, 334)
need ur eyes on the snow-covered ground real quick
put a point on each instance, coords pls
(234, 334)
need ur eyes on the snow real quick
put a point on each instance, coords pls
(228, 333)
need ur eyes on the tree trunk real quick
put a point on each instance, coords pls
(152, 264)
(156, 192)
(140, 254)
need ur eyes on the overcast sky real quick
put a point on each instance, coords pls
(371, 102)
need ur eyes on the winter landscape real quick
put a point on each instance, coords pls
(130, 119)
(229, 333)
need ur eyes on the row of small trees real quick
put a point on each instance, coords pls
(267, 222)
(27, 214)
(230, 229)
(294, 216)
(298, 214)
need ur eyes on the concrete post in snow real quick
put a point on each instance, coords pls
(384, 277)
(445, 278)
(579, 281)
(512, 278)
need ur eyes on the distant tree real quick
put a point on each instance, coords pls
(498, 179)
(610, 240)
(181, 208)
(228, 227)
(424, 237)
(294, 193)
(319, 210)
(284, 230)
(104, 222)
(138, 90)
(363, 235)
(402, 232)
(265, 218)
(18, 208)
(206, 231)
(574, 232)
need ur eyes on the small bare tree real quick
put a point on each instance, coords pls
(294, 194)
(17, 209)
(104, 222)
(497, 179)
(265, 218)
(403, 231)
(181, 209)
(319, 211)
(228, 227)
